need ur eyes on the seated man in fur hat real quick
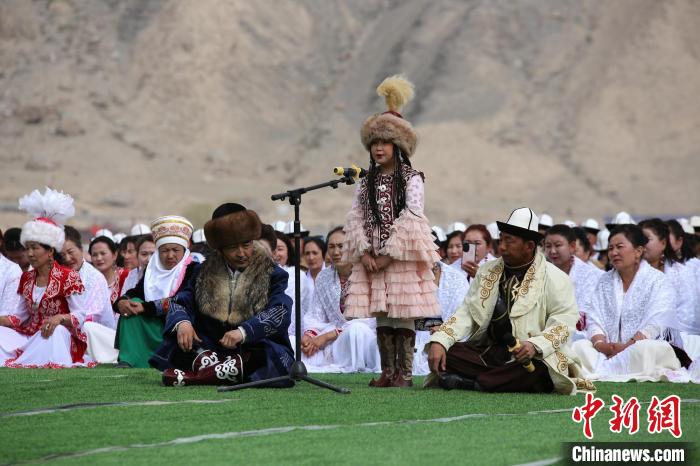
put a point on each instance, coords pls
(517, 318)
(229, 325)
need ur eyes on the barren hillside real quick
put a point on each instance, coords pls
(140, 108)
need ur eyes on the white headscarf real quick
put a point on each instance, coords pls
(159, 282)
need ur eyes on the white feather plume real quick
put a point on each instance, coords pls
(55, 205)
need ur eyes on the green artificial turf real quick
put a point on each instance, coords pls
(305, 424)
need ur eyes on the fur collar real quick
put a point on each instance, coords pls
(214, 288)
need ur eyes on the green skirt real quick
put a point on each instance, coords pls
(138, 337)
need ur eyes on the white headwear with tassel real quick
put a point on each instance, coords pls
(50, 211)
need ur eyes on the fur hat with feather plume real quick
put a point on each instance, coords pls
(50, 211)
(391, 126)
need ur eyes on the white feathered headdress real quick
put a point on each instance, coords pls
(50, 211)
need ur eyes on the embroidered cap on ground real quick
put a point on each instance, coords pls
(523, 222)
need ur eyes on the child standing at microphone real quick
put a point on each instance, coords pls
(388, 239)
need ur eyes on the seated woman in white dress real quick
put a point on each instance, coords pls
(46, 328)
(330, 342)
(659, 253)
(629, 313)
(682, 240)
(560, 244)
(284, 256)
(100, 322)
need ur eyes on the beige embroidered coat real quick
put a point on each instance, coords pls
(544, 314)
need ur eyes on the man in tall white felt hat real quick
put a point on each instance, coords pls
(507, 348)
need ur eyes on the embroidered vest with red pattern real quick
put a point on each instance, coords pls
(62, 283)
(384, 190)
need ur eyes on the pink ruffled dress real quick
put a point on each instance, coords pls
(406, 288)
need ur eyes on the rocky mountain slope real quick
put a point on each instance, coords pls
(140, 108)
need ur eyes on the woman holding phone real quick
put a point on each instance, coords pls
(476, 249)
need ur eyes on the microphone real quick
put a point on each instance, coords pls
(514, 345)
(353, 172)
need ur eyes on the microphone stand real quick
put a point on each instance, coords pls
(298, 371)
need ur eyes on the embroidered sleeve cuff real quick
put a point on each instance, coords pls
(443, 338)
(542, 345)
(242, 330)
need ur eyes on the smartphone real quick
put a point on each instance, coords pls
(468, 252)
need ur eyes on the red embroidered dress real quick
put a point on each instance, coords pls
(406, 288)
(63, 282)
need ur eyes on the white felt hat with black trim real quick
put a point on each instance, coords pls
(523, 222)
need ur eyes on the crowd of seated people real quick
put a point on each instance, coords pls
(66, 301)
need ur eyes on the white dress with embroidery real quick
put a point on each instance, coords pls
(648, 307)
(451, 291)
(10, 274)
(35, 350)
(100, 324)
(355, 349)
(585, 277)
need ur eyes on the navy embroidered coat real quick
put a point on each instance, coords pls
(266, 330)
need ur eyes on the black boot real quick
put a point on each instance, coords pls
(451, 381)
